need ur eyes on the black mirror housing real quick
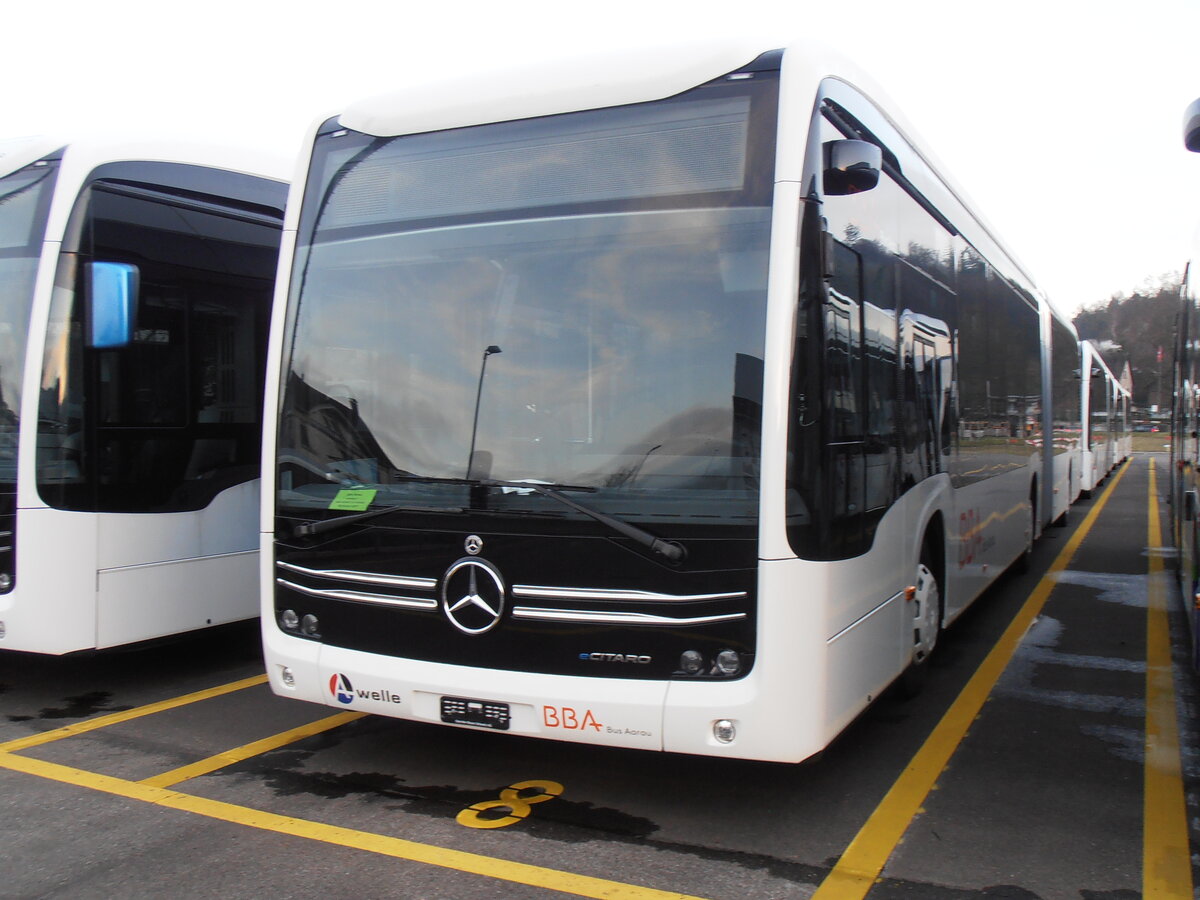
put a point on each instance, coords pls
(851, 167)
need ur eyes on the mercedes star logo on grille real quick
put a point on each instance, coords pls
(473, 596)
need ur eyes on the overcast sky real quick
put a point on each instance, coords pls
(1060, 119)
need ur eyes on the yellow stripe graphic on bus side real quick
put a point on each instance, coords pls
(35, 740)
(462, 861)
(1166, 855)
(863, 860)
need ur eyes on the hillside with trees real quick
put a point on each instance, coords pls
(1138, 328)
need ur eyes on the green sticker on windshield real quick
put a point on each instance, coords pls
(352, 500)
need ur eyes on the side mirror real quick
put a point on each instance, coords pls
(851, 167)
(1191, 127)
(112, 296)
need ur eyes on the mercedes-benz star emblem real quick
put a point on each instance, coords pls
(473, 596)
(473, 544)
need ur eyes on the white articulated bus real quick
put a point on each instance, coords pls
(1106, 410)
(1185, 433)
(675, 405)
(1185, 424)
(135, 294)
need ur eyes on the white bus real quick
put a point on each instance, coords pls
(135, 294)
(1185, 424)
(676, 404)
(1185, 431)
(1105, 403)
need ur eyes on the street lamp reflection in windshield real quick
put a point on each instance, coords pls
(491, 349)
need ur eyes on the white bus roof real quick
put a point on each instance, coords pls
(606, 78)
(85, 154)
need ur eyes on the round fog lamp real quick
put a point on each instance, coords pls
(724, 731)
(691, 662)
(309, 624)
(289, 620)
(728, 662)
(287, 676)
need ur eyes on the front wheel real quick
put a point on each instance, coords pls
(926, 613)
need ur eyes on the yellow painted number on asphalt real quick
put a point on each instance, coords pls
(517, 799)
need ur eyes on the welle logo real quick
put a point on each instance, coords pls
(341, 688)
(345, 692)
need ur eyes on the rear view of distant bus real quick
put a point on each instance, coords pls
(135, 293)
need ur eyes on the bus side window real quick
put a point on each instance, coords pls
(928, 336)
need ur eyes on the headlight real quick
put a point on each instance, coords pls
(691, 662)
(728, 662)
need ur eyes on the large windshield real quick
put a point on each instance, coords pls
(24, 201)
(574, 300)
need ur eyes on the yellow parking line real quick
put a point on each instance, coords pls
(472, 863)
(246, 751)
(256, 748)
(57, 734)
(1166, 856)
(863, 860)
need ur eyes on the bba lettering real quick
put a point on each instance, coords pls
(568, 718)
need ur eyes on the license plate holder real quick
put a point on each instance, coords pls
(480, 713)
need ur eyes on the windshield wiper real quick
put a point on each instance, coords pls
(492, 482)
(319, 527)
(670, 549)
(673, 551)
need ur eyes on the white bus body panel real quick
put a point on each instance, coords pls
(1089, 480)
(225, 526)
(1089, 463)
(140, 602)
(166, 573)
(52, 608)
(92, 580)
(1063, 475)
(990, 526)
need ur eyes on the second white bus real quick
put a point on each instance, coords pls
(135, 297)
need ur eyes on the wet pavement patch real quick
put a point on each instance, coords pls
(78, 707)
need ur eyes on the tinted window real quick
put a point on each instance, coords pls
(171, 420)
(1065, 374)
(24, 201)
